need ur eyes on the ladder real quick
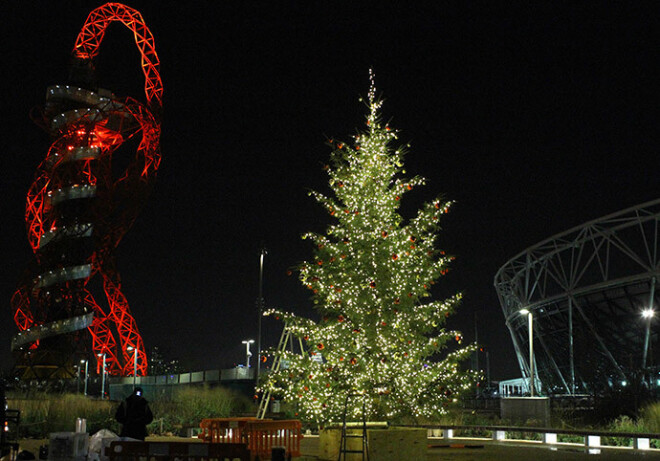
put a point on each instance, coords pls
(285, 338)
(343, 444)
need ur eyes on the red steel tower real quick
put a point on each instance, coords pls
(79, 208)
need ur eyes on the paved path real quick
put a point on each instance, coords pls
(472, 450)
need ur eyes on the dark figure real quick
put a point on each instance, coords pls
(134, 414)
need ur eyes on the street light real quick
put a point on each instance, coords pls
(248, 354)
(134, 349)
(86, 362)
(648, 315)
(260, 306)
(530, 319)
(102, 376)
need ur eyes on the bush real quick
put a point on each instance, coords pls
(190, 405)
(651, 417)
(46, 413)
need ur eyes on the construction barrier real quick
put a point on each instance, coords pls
(223, 430)
(261, 436)
(127, 451)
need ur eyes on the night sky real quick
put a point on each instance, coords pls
(534, 119)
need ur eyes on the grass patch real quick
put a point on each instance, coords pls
(46, 413)
(190, 405)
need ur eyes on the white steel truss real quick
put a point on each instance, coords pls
(586, 288)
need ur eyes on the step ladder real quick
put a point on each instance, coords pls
(286, 340)
(343, 444)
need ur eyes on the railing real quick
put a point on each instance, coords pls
(591, 439)
(261, 436)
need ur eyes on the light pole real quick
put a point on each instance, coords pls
(134, 349)
(530, 319)
(260, 307)
(648, 315)
(102, 377)
(248, 354)
(86, 362)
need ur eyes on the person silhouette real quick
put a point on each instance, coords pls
(134, 414)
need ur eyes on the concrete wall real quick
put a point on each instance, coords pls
(520, 410)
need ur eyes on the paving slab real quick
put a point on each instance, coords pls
(471, 450)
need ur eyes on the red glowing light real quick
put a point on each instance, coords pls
(78, 165)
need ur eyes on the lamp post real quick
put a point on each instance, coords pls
(102, 376)
(134, 349)
(648, 315)
(86, 362)
(530, 319)
(248, 354)
(260, 307)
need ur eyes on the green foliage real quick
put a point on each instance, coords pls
(380, 335)
(189, 405)
(651, 417)
(46, 413)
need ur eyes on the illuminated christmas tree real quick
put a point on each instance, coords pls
(379, 332)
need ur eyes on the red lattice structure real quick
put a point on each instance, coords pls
(78, 210)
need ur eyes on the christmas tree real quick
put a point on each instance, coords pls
(380, 334)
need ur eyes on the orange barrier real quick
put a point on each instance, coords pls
(223, 430)
(260, 435)
(263, 436)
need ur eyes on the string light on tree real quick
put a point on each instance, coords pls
(380, 333)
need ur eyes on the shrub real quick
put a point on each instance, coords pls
(46, 413)
(189, 405)
(651, 417)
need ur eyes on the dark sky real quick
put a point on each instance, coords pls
(534, 119)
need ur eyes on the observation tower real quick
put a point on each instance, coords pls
(69, 304)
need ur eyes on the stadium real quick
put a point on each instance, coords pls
(591, 295)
